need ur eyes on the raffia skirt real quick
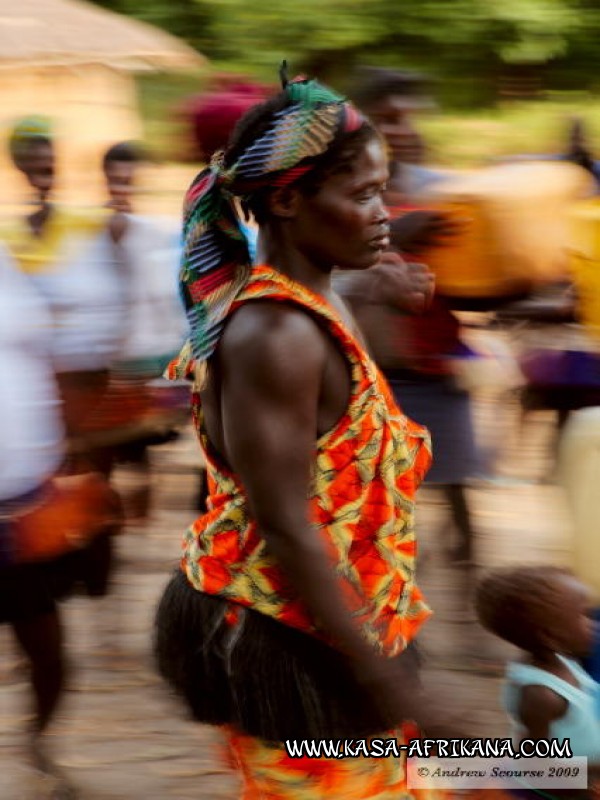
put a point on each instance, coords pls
(264, 683)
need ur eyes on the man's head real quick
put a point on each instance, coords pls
(32, 152)
(119, 165)
(390, 98)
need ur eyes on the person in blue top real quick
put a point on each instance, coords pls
(545, 611)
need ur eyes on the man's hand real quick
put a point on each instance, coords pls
(409, 287)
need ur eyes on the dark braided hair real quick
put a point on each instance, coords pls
(340, 156)
(517, 604)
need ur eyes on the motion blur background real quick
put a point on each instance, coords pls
(505, 73)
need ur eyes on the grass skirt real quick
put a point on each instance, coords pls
(262, 677)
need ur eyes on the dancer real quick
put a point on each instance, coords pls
(296, 596)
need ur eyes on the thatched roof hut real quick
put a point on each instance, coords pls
(72, 32)
(75, 63)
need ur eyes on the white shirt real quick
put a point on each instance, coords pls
(31, 435)
(156, 323)
(86, 295)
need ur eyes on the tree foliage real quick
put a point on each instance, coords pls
(464, 43)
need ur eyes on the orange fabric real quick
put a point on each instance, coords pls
(366, 472)
(268, 773)
(71, 511)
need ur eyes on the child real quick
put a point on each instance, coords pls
(544, 611)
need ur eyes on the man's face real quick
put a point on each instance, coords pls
(393, 117)
(38, 166)
(120, 177)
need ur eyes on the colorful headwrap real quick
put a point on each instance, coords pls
(26, 131)
(215, 262)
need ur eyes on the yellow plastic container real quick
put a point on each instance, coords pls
(515, 227)
(585, 262)
(579, 473)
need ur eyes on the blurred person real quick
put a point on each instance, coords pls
(62, 253)
(31, 452)
(139, 409)
(213, 115)
(296, 596)
(416, 351)
(578, 149)
(544, 611)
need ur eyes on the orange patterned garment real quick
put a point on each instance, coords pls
(268, 773)
(366, 472)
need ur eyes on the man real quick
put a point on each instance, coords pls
(413, 335)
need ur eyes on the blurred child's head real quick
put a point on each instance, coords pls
(538, 609)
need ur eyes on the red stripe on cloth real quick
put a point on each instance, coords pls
(195, 191)
(203, 286)
(290, 175)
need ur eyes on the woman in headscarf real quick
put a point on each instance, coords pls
(296, 595)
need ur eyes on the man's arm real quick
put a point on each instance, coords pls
(407, 287)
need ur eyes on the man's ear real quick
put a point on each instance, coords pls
(283, 202)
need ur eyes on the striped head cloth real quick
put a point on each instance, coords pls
(216, 263)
